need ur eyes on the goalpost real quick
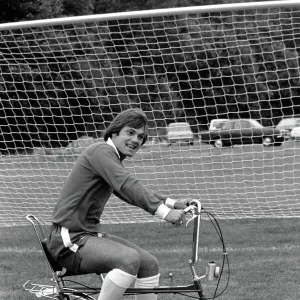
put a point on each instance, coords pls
(63, 80)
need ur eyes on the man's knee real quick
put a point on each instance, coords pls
(149, 266)
(153, 264)
(130, 263)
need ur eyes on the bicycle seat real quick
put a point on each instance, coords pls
(53, 263)
(55, 267)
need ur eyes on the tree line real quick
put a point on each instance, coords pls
(65, 82)
(25, 10)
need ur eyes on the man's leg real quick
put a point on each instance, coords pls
(148, 274)
(121, 263)
(114, 285)
(148, 282)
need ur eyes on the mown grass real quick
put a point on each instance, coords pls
(263, 254)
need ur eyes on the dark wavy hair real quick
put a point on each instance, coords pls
(133, 117)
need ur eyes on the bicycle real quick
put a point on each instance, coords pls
(62, 290)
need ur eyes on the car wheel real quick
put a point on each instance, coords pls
(218, 143)
(267, 141)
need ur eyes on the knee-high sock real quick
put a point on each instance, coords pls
(148, 282)
(114, 285)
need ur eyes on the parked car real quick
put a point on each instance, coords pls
(295, 134)
(287, 124)
(180, 132)
(243, 131)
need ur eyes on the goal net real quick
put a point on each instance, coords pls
(63, 80)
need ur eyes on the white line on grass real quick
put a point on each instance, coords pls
(176, 250)
(230, 249)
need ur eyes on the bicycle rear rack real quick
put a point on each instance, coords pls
(41, 290)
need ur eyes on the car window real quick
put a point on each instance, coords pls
(220, 125)
(237, 125)
(242, 125)
(178, 127)
(227, 125)
(216, 124)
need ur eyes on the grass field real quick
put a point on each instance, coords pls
(244, 186)
(237, 182)
(263, 254)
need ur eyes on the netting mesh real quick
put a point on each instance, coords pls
(62, 84)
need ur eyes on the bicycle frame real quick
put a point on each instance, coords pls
(61, 291)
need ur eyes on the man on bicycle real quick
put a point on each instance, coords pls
(76, 240)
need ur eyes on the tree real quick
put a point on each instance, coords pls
(25, 10)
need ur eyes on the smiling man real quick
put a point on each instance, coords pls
(76, 240)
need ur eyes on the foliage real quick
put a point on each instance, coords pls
(52, 91)
(19, 10)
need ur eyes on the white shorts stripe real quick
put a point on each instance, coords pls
(67, 240)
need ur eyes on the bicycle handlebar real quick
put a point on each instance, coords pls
(194, 209)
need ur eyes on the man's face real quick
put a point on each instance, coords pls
(129, 140)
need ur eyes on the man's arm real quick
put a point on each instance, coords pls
(106, 164)
(171, 203)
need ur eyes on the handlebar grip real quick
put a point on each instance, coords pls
(189, 208)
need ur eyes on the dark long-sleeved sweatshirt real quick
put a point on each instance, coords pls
(97, 173)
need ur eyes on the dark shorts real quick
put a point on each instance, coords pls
(68, 257)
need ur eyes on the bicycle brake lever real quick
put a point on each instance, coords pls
(193, 211)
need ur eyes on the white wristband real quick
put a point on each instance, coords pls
(170, 202)
(162, 211)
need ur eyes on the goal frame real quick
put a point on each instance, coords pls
(182, 11)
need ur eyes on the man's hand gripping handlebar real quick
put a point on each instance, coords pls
(177, 216)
